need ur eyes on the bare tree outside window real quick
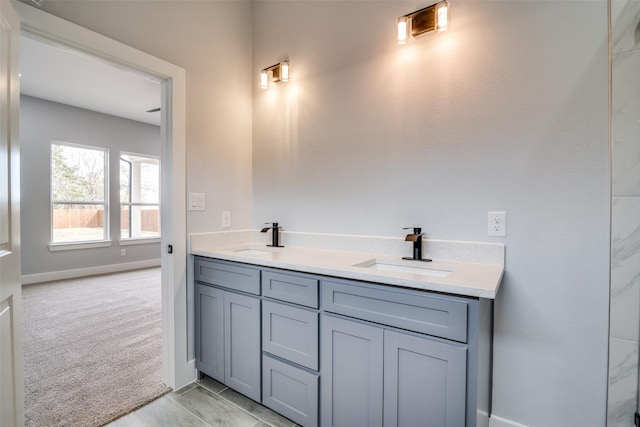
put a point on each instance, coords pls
(78, 189)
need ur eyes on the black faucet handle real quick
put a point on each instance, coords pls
(416, 230)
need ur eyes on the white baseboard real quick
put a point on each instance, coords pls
(191, 369)
(495, 421)
(28, 279)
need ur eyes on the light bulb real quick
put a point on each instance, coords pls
(403, 29)
(264, 79)
(442, 16)
(284, 71)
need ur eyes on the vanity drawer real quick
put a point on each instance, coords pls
(228, 275)
(297, 289)
(291, 333)
(291, 391)
(417, 311)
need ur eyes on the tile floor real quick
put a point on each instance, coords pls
(205, 403)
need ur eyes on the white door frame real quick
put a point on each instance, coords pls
(176, 369)
(11, 384)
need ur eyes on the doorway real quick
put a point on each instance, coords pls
(177, 371)
(101, 195)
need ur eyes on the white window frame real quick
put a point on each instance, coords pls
(139, 240)
(81, 244)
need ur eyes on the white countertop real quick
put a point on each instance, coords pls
(453, 275)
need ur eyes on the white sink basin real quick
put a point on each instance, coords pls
(408, 267)
(253, 251)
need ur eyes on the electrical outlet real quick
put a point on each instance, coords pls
(123, 252)
(497, 224)
(226, 219)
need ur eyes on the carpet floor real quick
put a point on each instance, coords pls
(92, 348)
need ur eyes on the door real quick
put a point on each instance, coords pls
(424, 382)
(351, 384)
(11, 388)
(242, 344)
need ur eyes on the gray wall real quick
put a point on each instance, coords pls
(211, 40)
(506, 111)
(42, 122)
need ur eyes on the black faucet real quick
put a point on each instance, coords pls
(416, 238)
(275, 234)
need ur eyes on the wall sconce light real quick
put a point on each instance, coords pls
(279, 73)
(434, 17)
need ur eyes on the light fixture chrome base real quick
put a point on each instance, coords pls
(423, 20)
(434, 17)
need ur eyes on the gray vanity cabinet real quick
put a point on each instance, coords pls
(347, 353)
(404, 368)
(290, 377)
(352, 364)
(209, 328)
(242, 344)
(424, 381)
(227, 324)
(290, 333)
(228, 338)
(290, 390)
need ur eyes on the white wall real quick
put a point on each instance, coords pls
(211, 40)
(42, 122)
(506, 111)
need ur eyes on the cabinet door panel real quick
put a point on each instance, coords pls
(441, 316)
(290, 333)
(209, 331)
(290, 390)
(424, 382)
(242, 344)
(297, 289)
(352, 365)
(227, 275)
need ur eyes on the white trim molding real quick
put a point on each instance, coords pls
(140, 241)
(55, 247)
(89, 271)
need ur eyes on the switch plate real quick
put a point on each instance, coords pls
(196, 201)
(123, 252)
(226, 219)
(497, 224)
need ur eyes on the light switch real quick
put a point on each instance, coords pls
(196, 201)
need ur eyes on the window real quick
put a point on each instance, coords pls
(79, 206)
(139, 196)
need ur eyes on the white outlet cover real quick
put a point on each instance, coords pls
(226, 219)
(497, 224)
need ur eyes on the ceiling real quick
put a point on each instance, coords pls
(74, 78)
